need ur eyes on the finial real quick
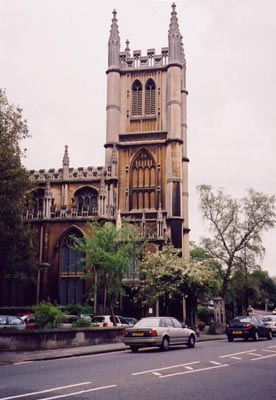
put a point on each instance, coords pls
(65, 161)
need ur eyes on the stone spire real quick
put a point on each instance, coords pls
(114, 43)
(65, 163)
(174, 37)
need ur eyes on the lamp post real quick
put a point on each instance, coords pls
(41, 266)
(246, 280)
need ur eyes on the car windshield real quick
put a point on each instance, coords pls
(242, 319)
(267, 318)
(147, 322)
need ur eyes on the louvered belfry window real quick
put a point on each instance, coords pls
(150, 97)
(137, 98)
(143, 181)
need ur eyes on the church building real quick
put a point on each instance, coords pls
(145, 176)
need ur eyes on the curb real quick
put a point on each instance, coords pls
(79, 353)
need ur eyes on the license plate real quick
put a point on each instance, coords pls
(237, 332)
(138, 334)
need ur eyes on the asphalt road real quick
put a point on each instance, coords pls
(215, 370)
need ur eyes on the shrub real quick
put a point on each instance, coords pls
(81, 323)
(203, 314)
(48, 315)
(72, 309)
(201, 325)
(213, 328)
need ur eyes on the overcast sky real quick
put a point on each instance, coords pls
(53, 62)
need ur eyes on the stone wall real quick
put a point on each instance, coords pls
(43, 339)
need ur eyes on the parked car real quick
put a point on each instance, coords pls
(160, 332)
(11, 322)
(247, 327)
(30, 321)
(274, 311)
(131, 320)
(270, 322)
(106, 321)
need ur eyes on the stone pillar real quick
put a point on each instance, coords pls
(219, 313)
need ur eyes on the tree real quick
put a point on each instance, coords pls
(109, 254)
(168, 276)
(201, 258)
(16, 255)
(236, 227)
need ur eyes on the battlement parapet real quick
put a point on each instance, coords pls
(151, 60)
(52, 174)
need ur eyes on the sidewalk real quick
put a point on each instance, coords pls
(13, 357)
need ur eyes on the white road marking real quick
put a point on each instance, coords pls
(156, 373)
(215, 362)
(163, 369)
(189, 368)
(44, 391)
(236, 358)
(194, 371)
(260, 357)
(80, 392)
(269, 351)
(254, 354)
(236, 354)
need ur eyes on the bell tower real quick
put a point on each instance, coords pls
(146, 133)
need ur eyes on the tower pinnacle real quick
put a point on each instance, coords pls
(65, 161)
(114, 43)
(174, 36)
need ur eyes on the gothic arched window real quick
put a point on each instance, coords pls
(143, 182)
(86, 200)
(71, 270)
(137, 98)
(150, 97)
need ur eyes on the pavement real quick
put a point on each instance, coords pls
(17, 357)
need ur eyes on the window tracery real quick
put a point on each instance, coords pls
(143, 181)
(71, 270)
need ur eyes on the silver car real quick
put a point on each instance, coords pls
(160, 332)
(270, 322)
(11, 322)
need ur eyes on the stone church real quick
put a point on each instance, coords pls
(145, 176)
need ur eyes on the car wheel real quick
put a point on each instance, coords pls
(269, 335)
(191, 341)
(134, 349)
(256, 336)
(230, 338)
(165, 344)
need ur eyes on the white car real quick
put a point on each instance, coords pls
(11, 322)
(106, 321)
(270, 322)
(160, 332)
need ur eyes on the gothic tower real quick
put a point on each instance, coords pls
(146, 136)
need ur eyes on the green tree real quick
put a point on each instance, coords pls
(168, 276)
(16, 254)
(201, 258)
(236, 227)
(109, 254)
(256, 289)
